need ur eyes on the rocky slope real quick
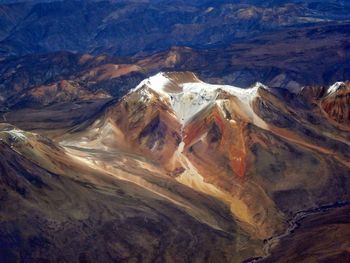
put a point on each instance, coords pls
(336, 104)
(59, 206)
(50, 78)
(61, 91)
(218, 167)
(328, 231)
(232, 144)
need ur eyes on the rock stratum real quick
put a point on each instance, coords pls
(177, 170)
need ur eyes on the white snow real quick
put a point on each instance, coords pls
(335, 87)
(17, 134)
(157, 82)
(209, 9)
(194, 97)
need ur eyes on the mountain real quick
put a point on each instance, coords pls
(173, 159)
(100, 47)
(114, 27)
(174, 131)
(275, 59)
(287, 59)
(38, 80)
(53, 202)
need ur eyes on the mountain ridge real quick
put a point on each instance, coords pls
(106, 31)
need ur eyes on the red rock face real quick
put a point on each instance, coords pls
(216, 144)
(336, 105)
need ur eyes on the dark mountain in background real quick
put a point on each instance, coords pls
(128, 27)
(290, 59)
(285, 44)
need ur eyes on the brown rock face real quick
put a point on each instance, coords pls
(230, 143)
(59, 201)
(230, 165)
(311, 94)
(336, 104)
(141, 122)
(61, 91)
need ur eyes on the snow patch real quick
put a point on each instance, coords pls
(17, 135)
(191, 98)
(335, 87)
(157, 83)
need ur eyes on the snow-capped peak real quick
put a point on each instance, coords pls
(188, 95)
(157, 83)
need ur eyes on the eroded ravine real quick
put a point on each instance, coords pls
(294, 223)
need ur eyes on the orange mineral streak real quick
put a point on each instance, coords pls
(191, 133)
(231, 144)
(238, 156)
(233, 140)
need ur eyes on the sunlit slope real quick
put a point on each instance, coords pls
(233, 164)
(76, 206)
(264, 154)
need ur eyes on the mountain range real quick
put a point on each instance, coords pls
(174, 131)
(235, 165)
(129, 27)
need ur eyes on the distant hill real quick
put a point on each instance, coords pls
(122, 28)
